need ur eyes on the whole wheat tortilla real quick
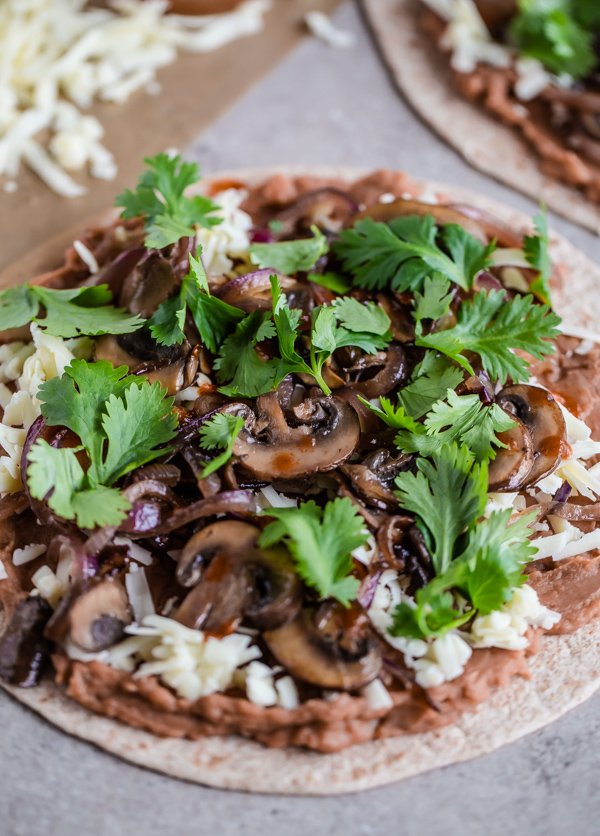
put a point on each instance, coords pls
(421, 72)
(563, 674)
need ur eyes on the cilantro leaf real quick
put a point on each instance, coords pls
(434, 302)
(214, 319)
(548, 31)
(434, 614)
(289, 257)
(68, 313)
(430, 381)
(493, 328)
(331, 281)
(238, 362)
(136, 423)
(536, 251)
(400, 254)
(172, 215)
(221, 430)
(120, 422)
(321, 541)
(55, 474)
(18, 306)
(446, 494)
(357, 317)
(463, 419)
(395, 418)
(167, 322)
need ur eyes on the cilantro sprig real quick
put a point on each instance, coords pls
(481, 559)
(65, 313)
(364, 326)
(220, 431)
(493, 328)
(159, 197)
(122, 423)
(290, 257)
(400, 255)
(214, 318)
(321, 541)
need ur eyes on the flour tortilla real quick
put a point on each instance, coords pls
(564, 673)
(421, 72)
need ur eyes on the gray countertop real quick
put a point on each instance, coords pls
(335, 108)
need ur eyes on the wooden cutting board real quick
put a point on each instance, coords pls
(196, 89)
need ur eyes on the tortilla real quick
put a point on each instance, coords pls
(421, 72)
(564, 673)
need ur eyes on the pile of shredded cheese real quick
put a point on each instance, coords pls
(59, 56)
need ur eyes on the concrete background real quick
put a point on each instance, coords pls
(319, 107)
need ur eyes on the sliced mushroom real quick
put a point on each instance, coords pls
(93, 618)
(174, 366)
(328, 646)
(269, 448)
(542, 416)
(392, 373)
(513, 463)
(150, 283)
(370, 487)
(273, 591)
(216, 604)
(23, 648)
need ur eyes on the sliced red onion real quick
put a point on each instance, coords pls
(150, 487)
(367, 590)
(228, 502)
(262, 236)
(144, 515)
(486, 281)
(563, 493)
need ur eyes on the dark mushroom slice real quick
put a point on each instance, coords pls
(370, 487)
(92, 617)
(149, 284)
(496, 12)
(216, 605)
(23, 648)
(392, 372)
(513, 463)
(386, 212)
(252, 292)
(332, 649)
(269, 448)
(274, 591)
(173, 366)
(542, 416)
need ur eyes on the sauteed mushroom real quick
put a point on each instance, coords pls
(328, 646)
(23, 648)
(262, 581)
(270, 448)
(149, 283)
(513, 463)
(541, 415)
(93, 618)
(174, 366)
(393, 372)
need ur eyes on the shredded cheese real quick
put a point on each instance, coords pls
(59, 56)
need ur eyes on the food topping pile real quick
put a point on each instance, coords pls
(535, 65)
(284, 456)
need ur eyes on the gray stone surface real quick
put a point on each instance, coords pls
(320, 107)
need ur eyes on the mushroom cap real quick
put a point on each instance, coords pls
(327, 434)
(542, 416)
(262, 581)
(174, 367)
(93, 618)
(318, 650)
(513, 463)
